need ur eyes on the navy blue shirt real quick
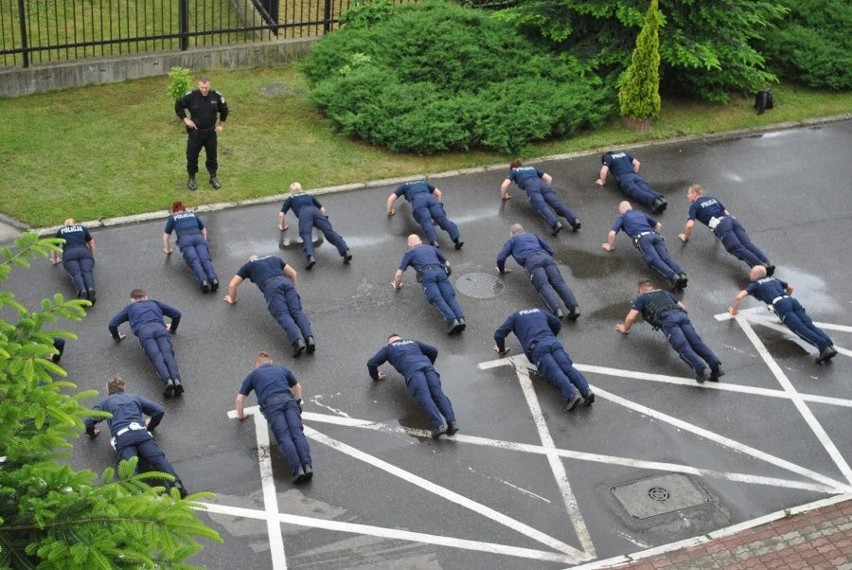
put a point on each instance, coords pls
(260, 269)
(417, 193)
(126, 409)
(523, 174)
(299, 201)
(184, 223)
(529, 325)
(420, 256)
(767, 289)
(619, 163)
(634, 223)
(705, 208)
(269, 380)
(407, 356)
(74, 236)
(640, 303)
(142, 313)
(520, 246)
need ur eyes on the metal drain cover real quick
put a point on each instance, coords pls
(479, 285)
(659, 495)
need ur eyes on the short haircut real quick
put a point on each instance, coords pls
(137, 294)
(262, 356)
(516, 163)
(516, 229)
(178, 207)
(203, 79)
(296, 187)
(69, 221)
(696, 188)
(115, 385)
(644, 282)
(391, 335)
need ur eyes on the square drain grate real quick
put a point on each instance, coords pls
(658, 495)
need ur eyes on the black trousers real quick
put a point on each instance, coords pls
(198, 139)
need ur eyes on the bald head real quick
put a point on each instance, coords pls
(757, 272)
(413, 240)
(624, 207)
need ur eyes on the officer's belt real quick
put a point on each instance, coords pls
(779, 297)
(641, 235)
(428, 267)
(134, 426)
(269, 280)
(714, 222)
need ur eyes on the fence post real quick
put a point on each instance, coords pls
(326, 23)
(183, 23)
(23, 22)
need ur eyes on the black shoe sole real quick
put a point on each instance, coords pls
(178, 389)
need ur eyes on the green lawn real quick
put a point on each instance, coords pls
(106, 151)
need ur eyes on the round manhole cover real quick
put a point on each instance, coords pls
(658, 494)
(479, 285)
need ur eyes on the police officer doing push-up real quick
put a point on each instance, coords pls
(536, 330)
(625, 169)
(414, 360)
(642, 229)
(432, 272)
(710, 212)
(77, 258)
(536, 184)
(776, 293)
(536, 257)
(277, 282)
(147, 321)
(427, 209)
(192, 242)
(662, 310)
(311, 215)
(280, 397)
(131, 431)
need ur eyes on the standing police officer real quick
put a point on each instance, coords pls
(147, 321)
(536, 257)
(662, 310)
(204, 104)
(776, 293)
(537, 330)
(427, 209)
(625, 169)
(280, 397)
(277, 282)
(414, 360)
(77, 258)
(311, 214)
(536, 184)
(642, 229)
(192, 241)
(432, 270)
(131, 431)
(710, 212)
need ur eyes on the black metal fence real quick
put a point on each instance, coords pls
(40, 32)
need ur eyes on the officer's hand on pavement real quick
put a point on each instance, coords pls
(608, 247)
(682, 237)
(229, 300)
(283, 227)
(620, 328)
(599, 182)
(120, 338)
(242, 417)
(95, 433)
(167, 251)
(506, 196)
(169, 328)
(56, 260)
(504, 272)
(380, 376)
(732, 311)
(391, 212)
(501, 353)
(395, 286)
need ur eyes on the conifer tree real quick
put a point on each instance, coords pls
(639, 95)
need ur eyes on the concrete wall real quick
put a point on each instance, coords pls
(17, 82)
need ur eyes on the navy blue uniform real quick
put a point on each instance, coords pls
(710, 212)
(77, 258)
(272, 383)
(536, 330)
(773, 291)
(307, 209)
(429, 264)
(632, 185)
(202, 110)
(542, 196)
(536, 257)
(130, 437)
(414, 359)
(282, 299)
(660, 310)
(639, 226)
(147, 322)
(427, 210)
(193, 246)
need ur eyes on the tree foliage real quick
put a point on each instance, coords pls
(639, 96)
(50, 515)
(436, 76)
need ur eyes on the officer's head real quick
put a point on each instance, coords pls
(115, 385)
(69, 221)
(624, 207)
(516, 163)
(516, 229)
(137, 295)
(757, 272)
(393, 337)
(644, 285)
(295, 188)
(606, 155)
(262, 358)
(413, 240)
(694, 191)
(178, 207)
(204, 85)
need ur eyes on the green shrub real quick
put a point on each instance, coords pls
(178, 82)
(438, 77)
(639, 96)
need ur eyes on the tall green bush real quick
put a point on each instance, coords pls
(178, 82)
(639, 95)
(437, 77)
